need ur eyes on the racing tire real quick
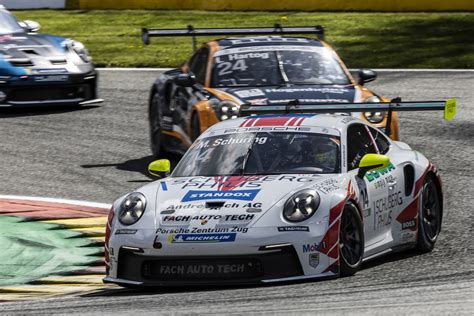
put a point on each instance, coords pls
(351, 241)
(155, 125)
(196, 126)
(429, 216)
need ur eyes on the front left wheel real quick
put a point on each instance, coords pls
(351, 240)
(155, 125)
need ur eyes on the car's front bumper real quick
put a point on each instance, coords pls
(258, 256)
(69, 89)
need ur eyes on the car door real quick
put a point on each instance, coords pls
(184, 98)
(385, 186)
(379, 189)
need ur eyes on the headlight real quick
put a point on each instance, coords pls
(131, 208)
(374, 117)
(301, 206)
(225, 109)
(80, 50)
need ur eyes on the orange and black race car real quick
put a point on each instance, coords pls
(249, 68)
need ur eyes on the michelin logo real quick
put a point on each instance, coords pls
(244, 195)
(197, 238)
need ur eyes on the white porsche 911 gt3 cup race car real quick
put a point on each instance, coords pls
(277, 197)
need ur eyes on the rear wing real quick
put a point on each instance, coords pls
(448, 106)
(277, 29)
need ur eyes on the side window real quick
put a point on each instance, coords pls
(359, 143)
(383, 144)
(198, 64)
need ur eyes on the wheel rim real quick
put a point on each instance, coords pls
(350, 239)
(430, 210)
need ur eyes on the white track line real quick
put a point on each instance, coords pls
(53, 200)
(375, 69)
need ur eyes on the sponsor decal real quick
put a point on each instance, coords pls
(293, 229)
(244, 195)
(263, 101)
(201, 238)
(253, 210)
(51, 78)
(198, 230)
(164, 187)
(202, 269)
(411, 223)
(383, 209)
(204, 219)
(50, 71)
(373, 175)
(125, 231)
(322, 90)
(236, 182)
(314, 260)
(327, 186)
(257, 128)
(348, 119)
(383, 183)
(249, 93)
(407, 237)
(310, 247)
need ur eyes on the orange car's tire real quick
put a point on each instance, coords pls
(155, 125)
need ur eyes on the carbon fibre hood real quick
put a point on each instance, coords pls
(304, 94)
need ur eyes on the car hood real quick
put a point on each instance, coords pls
(224, 200)
(26, 54)
(303, 93)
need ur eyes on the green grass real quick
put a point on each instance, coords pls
(375, 40)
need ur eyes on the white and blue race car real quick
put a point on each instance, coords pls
(277, 197)
(41, 69)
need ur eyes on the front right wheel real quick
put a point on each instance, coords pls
(351, 240)
(429, 217)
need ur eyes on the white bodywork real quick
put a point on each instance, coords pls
(176, 217)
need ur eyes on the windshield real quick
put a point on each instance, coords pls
(261, 153)
(276, 65)
(9, 24)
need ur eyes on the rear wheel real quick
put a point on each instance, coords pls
(351, 240)
(429, 217)
(155, 125)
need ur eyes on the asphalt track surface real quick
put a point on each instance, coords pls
(99, 153)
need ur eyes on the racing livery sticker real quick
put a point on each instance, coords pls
(244, 195)
(201, 238)
(293, 229)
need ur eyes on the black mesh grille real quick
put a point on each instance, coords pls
(49, 93)
(209, 269)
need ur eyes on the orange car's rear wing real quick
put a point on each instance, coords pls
(277, 29)
(448, 106)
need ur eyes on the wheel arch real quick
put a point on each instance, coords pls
(439, 187)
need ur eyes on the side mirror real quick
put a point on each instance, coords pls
(31, 26)
(372, 162)
(160, 168)
(185, 80)
(366, 75)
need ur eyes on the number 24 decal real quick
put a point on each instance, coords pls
(227, 67)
